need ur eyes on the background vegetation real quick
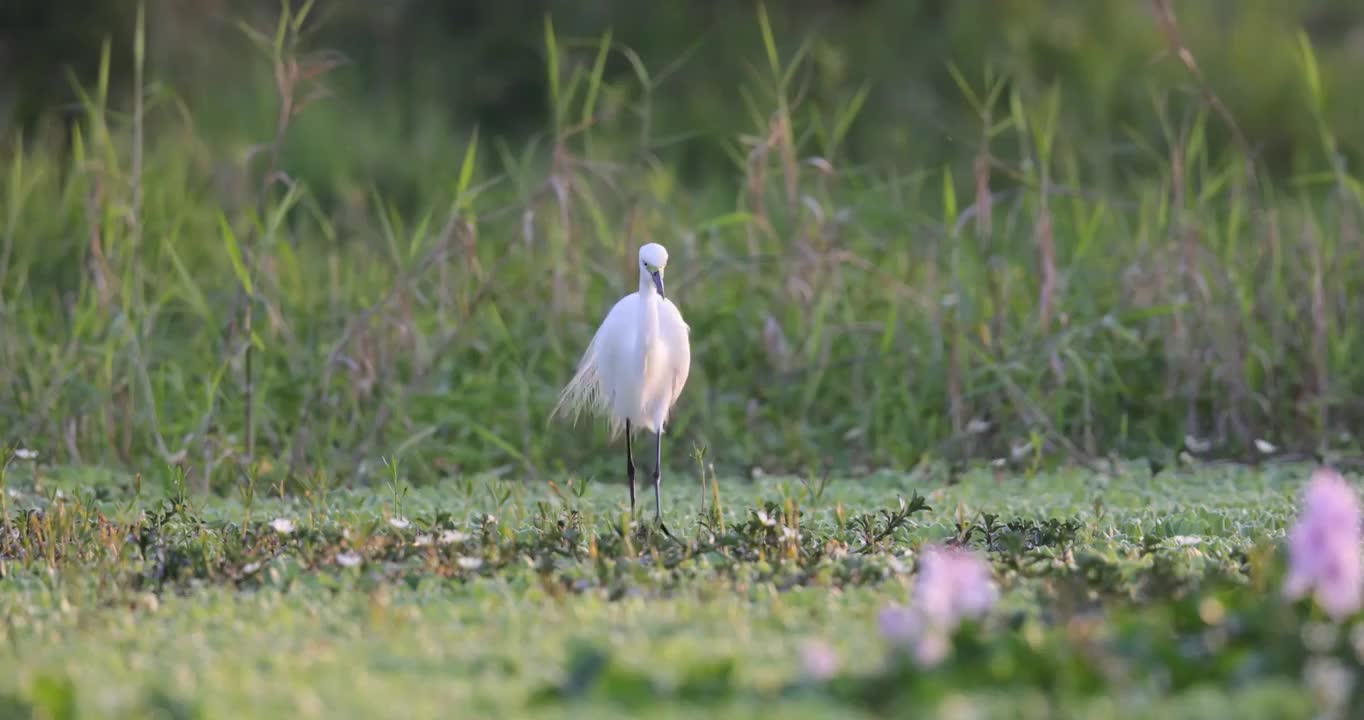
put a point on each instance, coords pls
(254, 238)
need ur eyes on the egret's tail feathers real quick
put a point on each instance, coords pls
(581, 393)
(585, 393)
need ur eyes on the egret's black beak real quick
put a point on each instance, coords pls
(658, 283)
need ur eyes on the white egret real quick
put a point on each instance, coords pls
(635, 366)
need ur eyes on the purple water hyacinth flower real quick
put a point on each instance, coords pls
(899, 625)
(1324, 547)
(952, 585)
(819, 660)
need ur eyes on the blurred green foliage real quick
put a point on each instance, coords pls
(432, 66)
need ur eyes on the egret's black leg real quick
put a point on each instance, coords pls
(629, 467)
(658, 477)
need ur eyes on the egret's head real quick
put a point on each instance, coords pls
(652, 260)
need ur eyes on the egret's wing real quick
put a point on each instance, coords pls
(606, 357)
(620, 363)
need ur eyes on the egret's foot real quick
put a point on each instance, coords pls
(666, 532)
(649, 533)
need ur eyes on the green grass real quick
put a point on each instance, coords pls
(121, 599)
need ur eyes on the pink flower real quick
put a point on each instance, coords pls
(1324, 547)
(952, 585)
(819, 660)
(932, 647)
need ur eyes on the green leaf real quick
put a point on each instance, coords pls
(189, 289)
(552, 68)
(965, 87)
(1309, 69)
(715, 223)
(849, 114)
(234, 254)
(594, 79)
(949, 198)
(769, 42)
(466, 171)
(301, 16)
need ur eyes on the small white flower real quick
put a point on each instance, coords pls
(1330, 681)
(422, 540)
(283, 526)
(1265, 447)
(399, 522)
(450, 537)
(470, 563)
(1197, 445)
(1357, 640)
(250, 567)
(977, 426)
(1319, 637)
(999, 462)
(349, 558)
(820, 164)
(26, 454)
(789, 533)
(766, 519)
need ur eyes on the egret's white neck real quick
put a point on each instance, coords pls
(647, 291)
(648, 316)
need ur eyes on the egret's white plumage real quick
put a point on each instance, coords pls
(637, 363)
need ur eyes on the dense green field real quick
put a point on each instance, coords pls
(1121, 595)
